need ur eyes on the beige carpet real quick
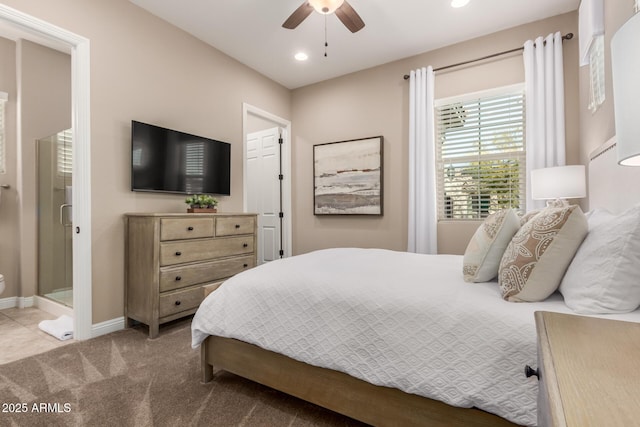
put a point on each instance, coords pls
(125, 379)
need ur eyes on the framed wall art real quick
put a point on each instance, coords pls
(347, 177)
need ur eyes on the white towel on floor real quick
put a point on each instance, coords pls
(61, 328)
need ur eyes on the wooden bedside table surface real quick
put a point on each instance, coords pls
(591, 369)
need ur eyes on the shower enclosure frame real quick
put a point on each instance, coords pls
(55, 238)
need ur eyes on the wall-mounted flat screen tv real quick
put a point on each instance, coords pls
(170, 161)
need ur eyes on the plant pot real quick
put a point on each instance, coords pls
(202, 210)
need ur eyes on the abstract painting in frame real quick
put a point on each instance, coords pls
(347, 177)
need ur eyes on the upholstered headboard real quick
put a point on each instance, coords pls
(612, 186)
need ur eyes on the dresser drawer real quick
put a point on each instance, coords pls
(185, 228)
(179, 252)
(230, 226)
(192, 274)
(175, 302)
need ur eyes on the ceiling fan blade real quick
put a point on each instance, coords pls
(298, 16)
(349, 17)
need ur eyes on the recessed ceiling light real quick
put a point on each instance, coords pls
(459, 3)
(301, 56)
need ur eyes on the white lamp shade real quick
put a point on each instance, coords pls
(562, 182)
(625, 64)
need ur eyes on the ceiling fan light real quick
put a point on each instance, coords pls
(326, 7)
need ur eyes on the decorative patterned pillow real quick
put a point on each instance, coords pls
(604, 276)
(525, 217)
(484, 251)
(540, 252)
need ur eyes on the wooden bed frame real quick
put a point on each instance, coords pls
(337, 391)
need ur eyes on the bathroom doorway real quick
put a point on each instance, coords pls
(55, 237)
(38, 30)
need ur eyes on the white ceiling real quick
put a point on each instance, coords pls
(251, 31)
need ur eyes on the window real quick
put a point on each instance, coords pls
(194, 167)
(596, 73)
(480, 153)
(3, 101)
(65, 152)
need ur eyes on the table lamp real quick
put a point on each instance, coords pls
(625, 65)
(557, 184)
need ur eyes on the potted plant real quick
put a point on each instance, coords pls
(201, 203)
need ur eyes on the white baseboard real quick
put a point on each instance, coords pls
(13, 302)
(8, 302)
(24, 302)
(56, 309)
(52, 307)
(107, 327)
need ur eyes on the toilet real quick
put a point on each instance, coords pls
(1, 284)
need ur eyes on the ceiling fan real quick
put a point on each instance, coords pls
(343, 10)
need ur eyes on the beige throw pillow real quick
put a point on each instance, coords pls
(540, 252)
(484, 251)
(524, 218)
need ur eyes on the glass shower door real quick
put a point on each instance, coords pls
(55, 251)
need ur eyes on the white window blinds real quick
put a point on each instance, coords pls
(480, 154)
(65, 150)
(3, 101)
(596, 73)
(194, 167)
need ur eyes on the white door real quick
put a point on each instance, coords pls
(263, 190)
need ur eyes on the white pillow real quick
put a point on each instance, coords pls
(540, 252)
(604, 276)
(484, 251)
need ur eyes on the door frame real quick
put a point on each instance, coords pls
(35, 30)
(247, 110)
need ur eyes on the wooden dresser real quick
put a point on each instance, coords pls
(170, 258)
(589, 371)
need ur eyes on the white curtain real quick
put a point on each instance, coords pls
(545, 130)
(422, 164)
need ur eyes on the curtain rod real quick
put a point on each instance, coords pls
(569, 36)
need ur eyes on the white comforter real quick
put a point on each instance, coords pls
(396, 319)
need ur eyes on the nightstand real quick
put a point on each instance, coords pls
(588, 370)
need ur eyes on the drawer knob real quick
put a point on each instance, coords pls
(530, 372)
(245, 265)
(178, 253)
(190, 228)
(237, 225)
(178, 278)
(244, 245)
(178, 302)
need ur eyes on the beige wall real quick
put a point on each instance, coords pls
(145, 69)
(44, 91)
(376, 102)
(9, 255)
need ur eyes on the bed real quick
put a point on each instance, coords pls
(388, 338)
